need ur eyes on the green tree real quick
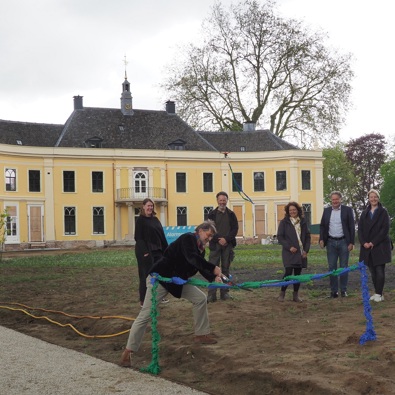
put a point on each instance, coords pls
(387, 193)
(254, 66)
(3, 231)
(338, 173)
(366, 154)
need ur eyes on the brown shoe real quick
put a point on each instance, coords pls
(205, 339)
(126, 359)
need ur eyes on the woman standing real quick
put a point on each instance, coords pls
(375, 252)
(150, 244)
(294, 235)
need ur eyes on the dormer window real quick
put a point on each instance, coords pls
(19, 142)
(121, 128)
(177, 145)
(94, 142)
(242, 148)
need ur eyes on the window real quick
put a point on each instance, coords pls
(259, 181)
(68, 181)
(97, 181)
(94, 142)
(177, 145)
(242, 148)
(10, 179)
(181, 182)
(307, 213)
(19, 142)
(281, 180)
(34, 181)
(237, 182)
(206, 211)
(140, 183)
(207, 182)
(69, 220)
(98, 220)
(306, 180)
(181, 216)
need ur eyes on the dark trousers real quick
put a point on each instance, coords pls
(288, 272)
(221, 257)
(378, 277)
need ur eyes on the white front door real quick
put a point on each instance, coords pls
(12, 223)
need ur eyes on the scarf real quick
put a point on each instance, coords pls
(296, 223)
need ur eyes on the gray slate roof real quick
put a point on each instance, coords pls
(254, 141)
(28, 133)
(144, 129)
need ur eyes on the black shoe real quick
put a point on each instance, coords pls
(225, 297)
(344, 294)
(334, 295)
(211, 299)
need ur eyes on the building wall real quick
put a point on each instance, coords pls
(118, 167)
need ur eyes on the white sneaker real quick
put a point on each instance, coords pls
(377, 298)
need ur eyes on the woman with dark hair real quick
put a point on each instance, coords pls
(375, 250)
(294, 236)
(150, 244)
(183, 259)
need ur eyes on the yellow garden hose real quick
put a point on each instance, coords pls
(68, 315)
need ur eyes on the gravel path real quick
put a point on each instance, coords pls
(31, 366)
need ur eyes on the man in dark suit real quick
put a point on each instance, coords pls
(337, 234)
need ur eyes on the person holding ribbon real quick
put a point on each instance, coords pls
(183, 259)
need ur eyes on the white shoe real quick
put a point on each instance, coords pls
(164, 301)
(377, 298)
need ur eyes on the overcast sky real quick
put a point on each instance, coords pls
(51, 50)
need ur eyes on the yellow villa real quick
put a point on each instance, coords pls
(82, 183)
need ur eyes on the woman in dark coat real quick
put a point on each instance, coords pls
(373, 233)
(150, 243)
(294, 235)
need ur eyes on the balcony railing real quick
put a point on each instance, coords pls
(139, 194)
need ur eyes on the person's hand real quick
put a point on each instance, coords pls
(304, 254)
(218, 279)
(145, 255)
(322, 243)
(368, 245)
(222, 241)
(350, 247)
(217, 271)
(293, 250)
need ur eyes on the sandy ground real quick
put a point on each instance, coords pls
(265, 347)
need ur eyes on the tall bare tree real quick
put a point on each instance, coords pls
(254, 66)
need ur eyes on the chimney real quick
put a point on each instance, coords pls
(170, 107)
(249, 127)
(78, 102)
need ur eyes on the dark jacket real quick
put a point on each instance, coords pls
(149, 236)
(288, 238)
(348, 224)
(375, 230)
(234, 228)
(183, 259)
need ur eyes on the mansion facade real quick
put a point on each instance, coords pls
(83, 183)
